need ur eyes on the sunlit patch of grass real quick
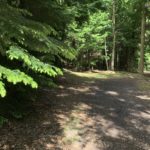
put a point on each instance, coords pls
(101, 74)
(71, 140)
(143, 82)
(143, 85)
(71, 130)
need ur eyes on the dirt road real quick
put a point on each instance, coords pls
(85, 114)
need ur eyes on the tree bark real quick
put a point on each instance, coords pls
(143, 23)
(106, 54)
(114, 35)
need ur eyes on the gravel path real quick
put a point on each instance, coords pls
(85, 114)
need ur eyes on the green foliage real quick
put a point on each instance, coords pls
(32, 62)
(25, 39)
(91, 32)
(2, 89)
(16, 76)
(147, 59)
(2, 121)
(90, 38)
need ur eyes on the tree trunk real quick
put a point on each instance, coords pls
(88, 59)
(106, 55)
(114, 35)
(143, 22)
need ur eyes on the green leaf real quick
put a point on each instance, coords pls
(2, 89)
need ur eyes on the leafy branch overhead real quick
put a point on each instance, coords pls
(22, 39)
(14, 76)
(32, 62)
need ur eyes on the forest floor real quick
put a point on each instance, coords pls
(89, 111)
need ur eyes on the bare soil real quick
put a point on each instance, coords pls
(85, 113)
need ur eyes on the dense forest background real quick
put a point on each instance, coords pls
(40, 38)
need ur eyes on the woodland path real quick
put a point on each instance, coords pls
(85, 113)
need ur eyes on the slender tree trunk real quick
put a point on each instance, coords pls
(143, 22)
(88, 59)
(114, 35)
(117, 60)
(106, 59)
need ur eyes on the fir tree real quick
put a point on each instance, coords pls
(22, 37)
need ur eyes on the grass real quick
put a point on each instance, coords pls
(143, 82)
(96, 74)
(71, 130)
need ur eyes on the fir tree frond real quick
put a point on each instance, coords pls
(32, 62)
(16, 76)
(2, 89)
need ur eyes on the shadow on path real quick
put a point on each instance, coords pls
(85, 114)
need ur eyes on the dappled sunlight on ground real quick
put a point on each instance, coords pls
(101, 74)
(85, 114)
(143, 97)
(113, 93)
(111, 119)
